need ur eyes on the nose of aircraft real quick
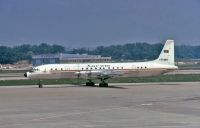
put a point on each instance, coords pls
(25, 74)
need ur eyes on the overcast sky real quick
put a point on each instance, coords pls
(78, 23)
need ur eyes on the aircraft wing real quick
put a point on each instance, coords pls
(99, 74)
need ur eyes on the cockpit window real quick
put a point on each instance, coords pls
(34, 69)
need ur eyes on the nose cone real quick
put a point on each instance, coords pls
(25, 74)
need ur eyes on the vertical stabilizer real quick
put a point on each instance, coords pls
(167, 53)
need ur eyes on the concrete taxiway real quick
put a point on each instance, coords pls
(147, 105)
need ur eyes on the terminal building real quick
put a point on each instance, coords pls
(67, 58)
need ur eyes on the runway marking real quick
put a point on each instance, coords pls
(93, 126)
(100, 110)
(70, 114)
(79, 113)
(147, 104)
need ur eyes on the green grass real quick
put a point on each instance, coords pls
(35, 82)
(162, 78)
(13, 71)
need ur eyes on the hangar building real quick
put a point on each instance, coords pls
(67, 58)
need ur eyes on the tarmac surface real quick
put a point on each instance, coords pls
(136, 105)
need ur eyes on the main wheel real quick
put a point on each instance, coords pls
(90, 84)
(100, 84)
(87, 83)
(103, 84)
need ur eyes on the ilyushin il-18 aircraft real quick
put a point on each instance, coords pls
(103, 71)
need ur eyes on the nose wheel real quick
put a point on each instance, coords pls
(40, 84)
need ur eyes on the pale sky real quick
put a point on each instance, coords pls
(89, 23)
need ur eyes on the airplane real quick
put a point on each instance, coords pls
(103, 71)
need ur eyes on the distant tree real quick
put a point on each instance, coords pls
(140, 51)
(57, 49)
(10, 55)
(131, 51)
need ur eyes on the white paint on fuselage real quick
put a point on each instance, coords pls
(104, 66)
(46, 71)
(164, 63)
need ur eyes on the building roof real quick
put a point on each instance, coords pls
(69, 56)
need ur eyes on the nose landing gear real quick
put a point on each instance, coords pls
(40, 84)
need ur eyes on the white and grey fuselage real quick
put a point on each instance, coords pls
(164, 64)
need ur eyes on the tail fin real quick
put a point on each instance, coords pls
(167, 53)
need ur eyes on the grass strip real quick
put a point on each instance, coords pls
(162, 78)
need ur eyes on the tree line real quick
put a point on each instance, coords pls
(133, 51)
(140, 51)
(9, 55)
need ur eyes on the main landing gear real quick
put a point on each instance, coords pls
(103, 83)
(90, 83)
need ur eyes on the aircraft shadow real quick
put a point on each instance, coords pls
(75, 85)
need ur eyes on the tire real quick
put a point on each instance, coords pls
(87, 84)
(90, 84)
(40, 84)
(103, 84)
(100, 84)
